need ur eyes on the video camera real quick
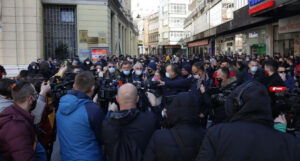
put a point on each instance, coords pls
(219, 95)
(108, 89)
(61, 85)
(287, 103)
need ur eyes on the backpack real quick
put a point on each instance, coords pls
(126, 149)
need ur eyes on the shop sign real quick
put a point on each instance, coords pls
(99, 52)
(198, 43)
(253, 35)
(260, 5)
(172, 46)
(288, 25)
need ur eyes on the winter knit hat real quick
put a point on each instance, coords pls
(152, 65)
(187, 67)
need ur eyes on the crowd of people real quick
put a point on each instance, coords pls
(165, 108)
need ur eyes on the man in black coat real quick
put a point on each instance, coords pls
(174, 83)
(273, 80)
(182, 141)
(249, 133)
(251, 73)
(127, 132)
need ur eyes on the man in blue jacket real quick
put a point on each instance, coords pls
(79, 122)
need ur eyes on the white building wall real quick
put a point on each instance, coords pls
(239, 4)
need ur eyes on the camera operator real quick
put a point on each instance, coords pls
(126, 133)
(79, 121)
(248, 134)
(273, 79)
(227, 85)
(126, 72)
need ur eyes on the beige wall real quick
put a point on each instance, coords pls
(96, 19)
(21, 36)
(93, 18)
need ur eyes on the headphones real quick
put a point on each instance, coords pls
(238, 101)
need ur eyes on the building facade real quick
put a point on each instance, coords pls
(32, 29)
(141, 9)
(172, 33)
(264, 27)
(204, 16)
(153, 37)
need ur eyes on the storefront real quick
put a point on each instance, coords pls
(225, 45)
(287, 36)
(251, 42)
(199, 47)
(172, 49)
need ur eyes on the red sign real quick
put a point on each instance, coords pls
(98, 52)
(277, 89)
(198, 43)
(261, 7)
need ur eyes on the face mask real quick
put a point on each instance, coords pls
(254, 69)
(282, 75)
(126, 72)
(88, 62)
(196, 76)
(168, 75)
(138, 72)
(111, 70)
(155, 78)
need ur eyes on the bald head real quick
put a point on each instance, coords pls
(127, 96)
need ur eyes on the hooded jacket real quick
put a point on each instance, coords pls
(17, 134)
(78, 127)
(135, 124)
(182, 117)
(4, 103)
(249, 133)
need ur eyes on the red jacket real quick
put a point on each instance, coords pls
(17, 134)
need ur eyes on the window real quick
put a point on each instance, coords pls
(177, 34)
(67, 16)
(228, 5)
(177, 8)
(165, 35)
(176, 22)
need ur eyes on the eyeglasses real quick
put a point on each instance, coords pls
(110, 66)
(281, 71)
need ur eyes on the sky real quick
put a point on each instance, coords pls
(144, 7)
